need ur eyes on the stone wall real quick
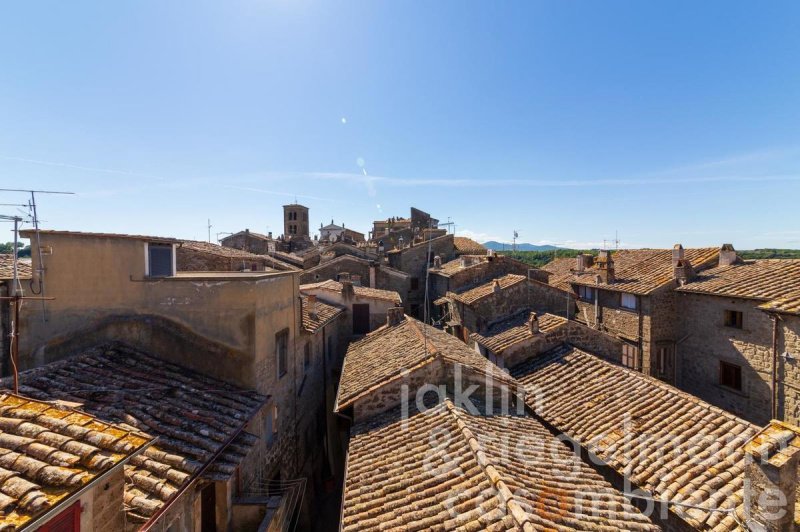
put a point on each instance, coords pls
(106, 499)
(414, 261)
(192, 260)
(708, 341)
(789, 369)
(247, 242)
(607, 315)
(392, 393)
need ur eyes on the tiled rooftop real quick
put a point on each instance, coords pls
(7, 268)
(193, 416)
(667, 442)
(513, 330)
(384, 354)
(48, 453)
(477, 293)
(324, 313)
(764, 279)
(446, 469)
(789, 304)
(467, 246)
(561, 270)
(361, 291)
(233, 253)
(641, 271)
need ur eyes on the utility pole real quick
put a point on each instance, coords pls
(209, 230)
(16, 295)
(514, 243)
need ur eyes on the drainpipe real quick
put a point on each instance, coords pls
(774, 366)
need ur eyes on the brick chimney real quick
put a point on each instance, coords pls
(533, 323)
(312, 305)
(437, 262)
(582, 262)
(682, 271)
(605, 266)
(677, 254)
(727, 255)
(770, 478)
(394, 316)
(347, 290)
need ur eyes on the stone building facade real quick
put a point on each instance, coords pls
(415, 260)
(244, 328)
(740, 326)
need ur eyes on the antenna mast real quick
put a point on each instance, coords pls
(35, 217)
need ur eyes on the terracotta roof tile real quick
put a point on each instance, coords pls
(192, 415)
(641, 271)
(362, 291)
(789, 304)
(324, 313)
(634, 422)
(7, 268)
(757, 279)
(561, 270)
(467, 246)
(385, 353)
(477, 293)
(234, 253)
(515, 329)
(48, 453)
(446, 469)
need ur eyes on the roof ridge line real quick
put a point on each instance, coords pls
(428, 343)
(494, 476)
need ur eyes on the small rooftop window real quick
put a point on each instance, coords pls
(160, 260)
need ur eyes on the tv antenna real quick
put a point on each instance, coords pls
(35, 218)
(514, 242)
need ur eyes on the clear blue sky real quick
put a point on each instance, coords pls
(669, 122)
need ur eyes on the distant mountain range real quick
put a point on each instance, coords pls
(499, 246)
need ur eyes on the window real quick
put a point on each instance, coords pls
(627, 301)
(630, 356)
(307, 357)
(586, 293)
(282, 351)
(159, 260)
(67, 521)
(415, 283)
(664, 362)
(730, 375)
(271, 431)
(733, 318)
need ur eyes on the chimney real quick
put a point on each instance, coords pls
(580, 262)
(464, 261)
(269, 234)
(344, 276)
(312, 305)
(437, 262)
(490, 253)
(727, 255)
(682, 271)
(533, 323)
(605, 267)
(770, 478)
(347, 290)
(394, 316)
(677, 254)
(496, 286)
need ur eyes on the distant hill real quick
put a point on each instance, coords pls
(499, 246)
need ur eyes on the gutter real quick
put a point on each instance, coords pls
(774, 410)
(56, 510)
